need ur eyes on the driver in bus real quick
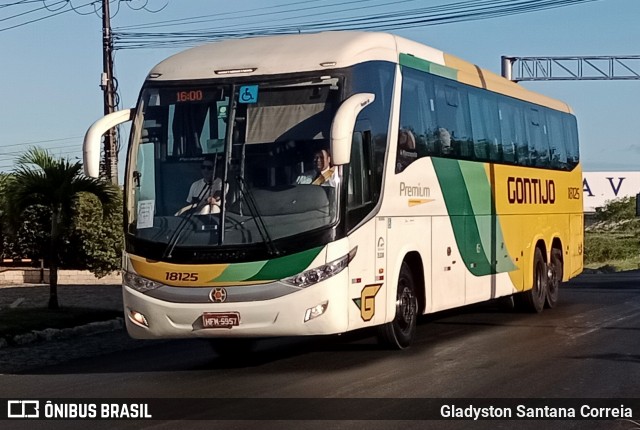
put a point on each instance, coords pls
(323, 174)
(204, 194)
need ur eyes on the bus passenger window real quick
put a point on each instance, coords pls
(406, 150)
(416, 117)
(556, 141)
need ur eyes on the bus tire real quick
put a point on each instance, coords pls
(399, 333)
(555, 279)
(534, 298)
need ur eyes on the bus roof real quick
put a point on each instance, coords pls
(269, 55)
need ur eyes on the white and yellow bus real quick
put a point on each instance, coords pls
(450, 185)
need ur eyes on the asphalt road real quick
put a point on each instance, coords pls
(586, 348)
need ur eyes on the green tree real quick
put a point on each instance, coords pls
(91, 244)
(29, 237)
(41, 179)
(620, 209)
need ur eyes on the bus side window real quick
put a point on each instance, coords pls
(512, 129)
(417, 122)
(538, 137)
(360, 178)
(485, 126)
(452, 109)
(556, 141)
(571, 139)
(359, 187)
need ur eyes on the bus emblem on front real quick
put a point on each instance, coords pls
(218, 295)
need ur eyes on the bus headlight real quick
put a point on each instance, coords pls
(139, 283)
(138, 318)
(319, 274)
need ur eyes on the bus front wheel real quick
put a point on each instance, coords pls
(399, 333)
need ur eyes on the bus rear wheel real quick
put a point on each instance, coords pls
(399, 333)
(534, 299)
(555, 278)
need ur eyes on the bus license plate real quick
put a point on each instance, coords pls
(220, 319)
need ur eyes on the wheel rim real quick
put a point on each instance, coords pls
(406, 309)
(554, 277)
(540, 274)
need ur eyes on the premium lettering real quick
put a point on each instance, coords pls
(414, 191)
(531, 191)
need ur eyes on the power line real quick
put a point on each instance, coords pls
(35, 142)
(64, 148)
(69, 155)
(51, 7)
(250, 13)
(17, 153)
(31, 11)
(47, 16)
(421, 16)
(17, 3)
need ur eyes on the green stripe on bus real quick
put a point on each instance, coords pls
(479, 192)
(487, 221)
(427, 66)
(461, 211)
(477, 185)
(283, 267)
(240, 271)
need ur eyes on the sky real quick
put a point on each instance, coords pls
(50, 69)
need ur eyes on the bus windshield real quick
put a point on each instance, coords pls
(213, 165)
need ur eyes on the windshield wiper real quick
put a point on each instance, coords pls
(257, 217)
(173, 240)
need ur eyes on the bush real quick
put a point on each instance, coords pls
(91, 243)
(615, 235)
(31, 238)
(604, 247)
(616, 210)
(96, 242)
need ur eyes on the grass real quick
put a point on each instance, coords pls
(617, 265)
(24, 320)
(605, 247)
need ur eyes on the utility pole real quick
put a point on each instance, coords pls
(107, 85)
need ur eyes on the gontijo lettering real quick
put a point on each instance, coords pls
(531, 190)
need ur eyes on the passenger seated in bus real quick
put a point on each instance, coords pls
(444, 141)
(323, 173)
(406, 150)
(204, 194)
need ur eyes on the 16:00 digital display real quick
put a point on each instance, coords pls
(189, 96)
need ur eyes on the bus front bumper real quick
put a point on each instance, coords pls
(323, 306)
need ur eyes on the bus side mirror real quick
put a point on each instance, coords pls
(638, 204)
(93, 138)
(343, 124)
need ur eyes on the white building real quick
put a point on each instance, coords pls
(598, 187)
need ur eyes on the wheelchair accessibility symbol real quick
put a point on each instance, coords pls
(248, 94)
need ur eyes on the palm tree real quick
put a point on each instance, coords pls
(41, 179)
